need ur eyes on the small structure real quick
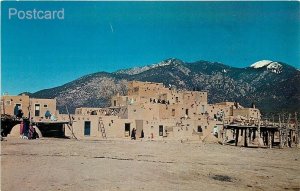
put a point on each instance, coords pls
(264, 134)
(41, 113)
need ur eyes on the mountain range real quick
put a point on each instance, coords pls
(272, 86)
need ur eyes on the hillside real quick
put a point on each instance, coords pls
(273, 86)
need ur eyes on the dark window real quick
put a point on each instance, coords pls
(173, 112)
(87, 128)
(161, 130)
(45, 105)
(17, 108)
(199, 129)
(187, 111)
(37, 110)
(115, 103)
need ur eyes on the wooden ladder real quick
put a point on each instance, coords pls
(101, 128)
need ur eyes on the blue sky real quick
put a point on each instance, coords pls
(107, 36)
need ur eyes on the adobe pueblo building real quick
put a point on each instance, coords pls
(149, 110)
(153, 112)
(158, 113)
(40, 113)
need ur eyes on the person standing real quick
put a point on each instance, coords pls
(133, 134)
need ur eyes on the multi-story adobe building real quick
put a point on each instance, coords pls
(31, 107)
(153, 110)
(157, 112)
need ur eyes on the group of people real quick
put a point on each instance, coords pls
(27, 131)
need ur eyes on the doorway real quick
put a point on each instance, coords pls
(127, 129)
(161, 130)
(87, 128)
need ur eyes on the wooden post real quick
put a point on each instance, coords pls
(267, 138)
(224, 130)
(297, 131)
(273, 137)
(259, 139)
(236, 137)
(287, 131)
(245, 138)
(3, 103)
(280, 133)
(224, 135)
(250, 136)
(283, 130)
(70, 125)
(270, 139)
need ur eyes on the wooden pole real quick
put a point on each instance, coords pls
(258, 129)
(260, 136)
(245, 138)
(297, 130)
(287, 131)
(236, 137)
(224, 130)
(273, 137)
(283, 131)
(70, 125)
(266, 138)
(270, 139)
(280, 132)
(3, 103)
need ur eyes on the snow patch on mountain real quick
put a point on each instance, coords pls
(272, 66)
(275, 67)
(261, 63)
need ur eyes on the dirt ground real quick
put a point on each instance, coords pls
(63, 164)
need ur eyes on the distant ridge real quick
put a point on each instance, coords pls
(273, 86)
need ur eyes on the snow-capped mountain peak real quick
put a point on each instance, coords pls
(261, 63)
(274, 67)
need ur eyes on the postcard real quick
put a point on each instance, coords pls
(150, 95)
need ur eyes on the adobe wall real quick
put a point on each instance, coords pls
(44, 105)
(247, 112)
(8, 104)
(143, 111)
(114, 126)
(28, 105)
